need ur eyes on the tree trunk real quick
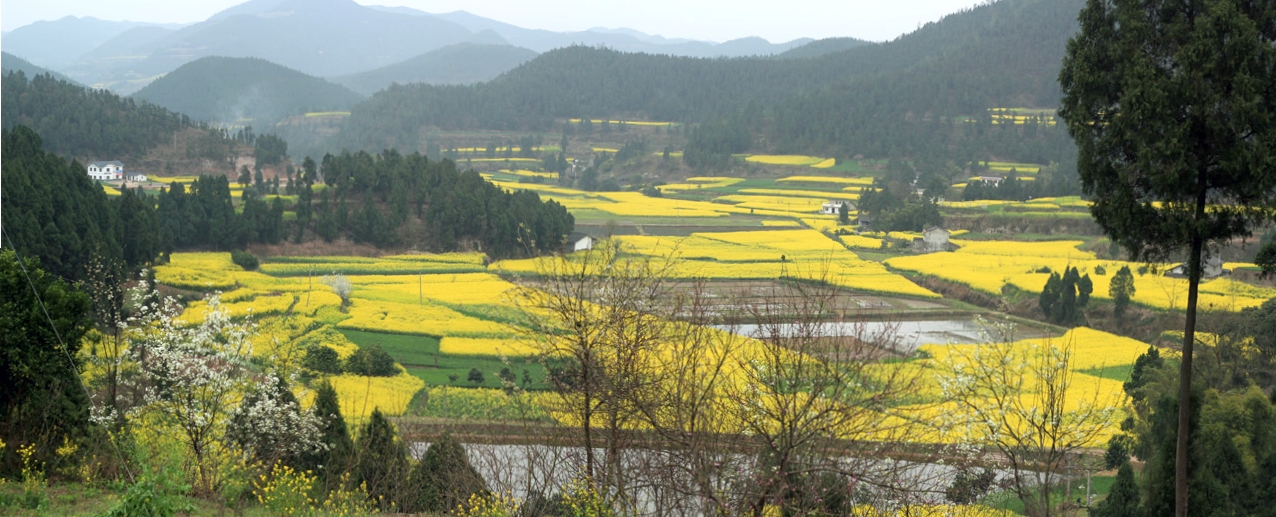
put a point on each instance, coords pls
(1185, 375)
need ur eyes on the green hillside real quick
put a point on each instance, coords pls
(824, 47)
(1000, 54)
(244, 90)
(12, 63)
(464, 63)
(83, 122)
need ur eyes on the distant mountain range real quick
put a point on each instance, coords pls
(322, 38)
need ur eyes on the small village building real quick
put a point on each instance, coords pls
(991, 181)
(835, 207)
(134, 177)
(864, 223)
(1213, 268)
(578, 242)
(106, 171)
(934, 239)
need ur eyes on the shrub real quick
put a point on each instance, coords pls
(323, 359)
(382, 460)
(445, 478)
(152, 496)
(244, 259)
(475, 376)
(372, 361)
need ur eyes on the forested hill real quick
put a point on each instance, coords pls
(464, 63)
(12, 63)
(224, 89)
(823, 47)
(1002, 54)
(78, 121)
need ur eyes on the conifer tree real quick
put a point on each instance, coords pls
(1123, 499)
(445, 477)
(1171, 106)
(381, 459)
(337, 454)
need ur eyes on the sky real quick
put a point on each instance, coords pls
(716, 20)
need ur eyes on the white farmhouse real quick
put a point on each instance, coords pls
(106, 171)
(1211, 267)
(578, 242)
(835, 207)
(135, 177)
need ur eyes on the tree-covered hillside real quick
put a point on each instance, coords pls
(465, 63)
(78, 121)
(54, 211)
(12, 63)
(1001, 54)
(223, 89)
(824, 47)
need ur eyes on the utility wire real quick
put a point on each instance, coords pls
(65, 351)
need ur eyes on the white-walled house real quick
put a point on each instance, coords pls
(578, 242)
(106, 171)
(835, 207)
(135, 177)
(936, 238)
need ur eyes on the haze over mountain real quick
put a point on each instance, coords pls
(12, 63)
(464, 63)
(60, 42)
(244, 90)
(1002, 54)
(324, 38)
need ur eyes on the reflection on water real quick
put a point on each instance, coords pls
(907, 335)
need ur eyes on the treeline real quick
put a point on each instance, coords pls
(54, 211)
(1232, 434)
(454, 208)
(79, 121)
(204, 217)
(872, 100)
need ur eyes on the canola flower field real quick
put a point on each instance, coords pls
(468, 314)
(423, 295)
(759, 255)
(988, 266)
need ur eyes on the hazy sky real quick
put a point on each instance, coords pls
(718, 20)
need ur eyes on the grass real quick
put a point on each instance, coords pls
(1099, 486)
(1119, 373)
(421, 356)
(76, 499)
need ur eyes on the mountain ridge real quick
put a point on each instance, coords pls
(230, 90)
(463, 63)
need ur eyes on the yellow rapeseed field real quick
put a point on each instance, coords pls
(428, 320)
(837, 180)
(511, 347)
(990, 265)
(531, 174)
(826, 164)
(803, 193)
(359, 395)
(627, 122)
(785, 159)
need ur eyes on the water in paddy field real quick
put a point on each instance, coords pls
(908, 335)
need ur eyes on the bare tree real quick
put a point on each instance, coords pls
(817, 401)
(1020, 400)
(601, 313)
